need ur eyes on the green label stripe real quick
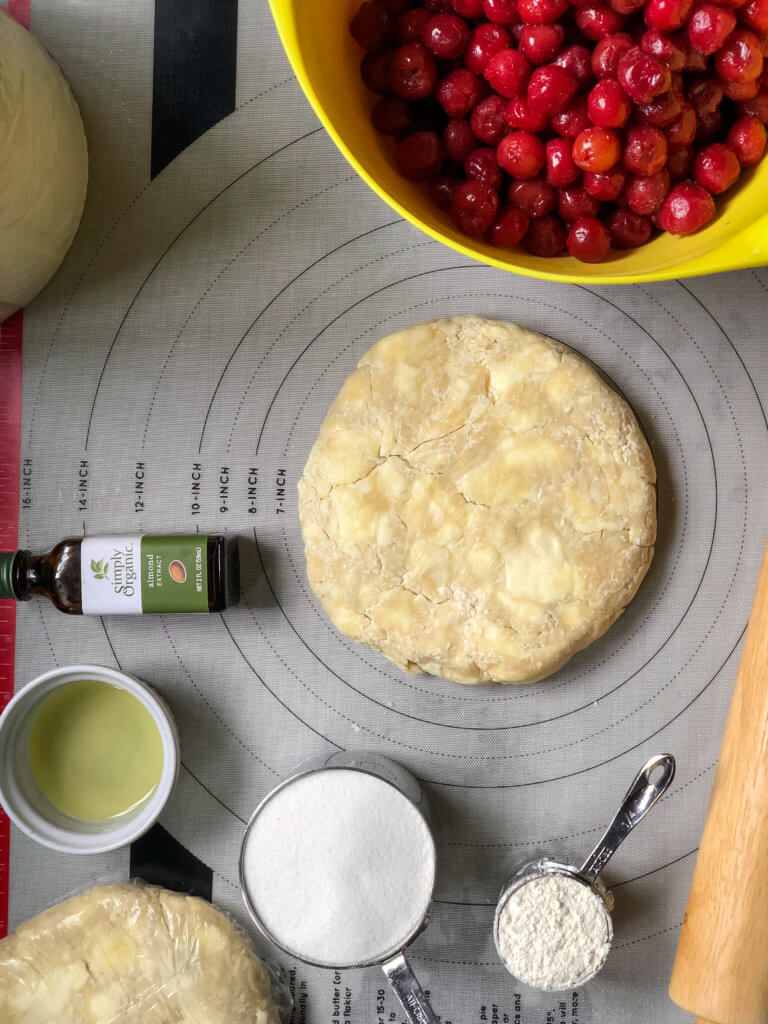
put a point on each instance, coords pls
(174, 573)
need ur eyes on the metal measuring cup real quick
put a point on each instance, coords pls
(647, 788)
(394, 964)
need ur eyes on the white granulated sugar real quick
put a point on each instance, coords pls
(553, 932)
(339, 867)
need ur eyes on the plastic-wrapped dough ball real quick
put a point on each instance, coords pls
(132, 954)
(44, 159)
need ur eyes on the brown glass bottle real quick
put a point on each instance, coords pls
(128, 575)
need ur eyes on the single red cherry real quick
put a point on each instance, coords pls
(391, 116)
(535, 197)
(598, 20)
(740, 59)
(596, 149)
(608, 105)
(664, 48)
(459, 140)
(747, 138)
(540, 43)
(419, 156)
(502, 12)
(446, 36)
(575, 202)
(413, 72)
(518, 114)
(682, 131)
(459, 92)
(487, 120)
(371, 26)
(442, 190)
(709, 125)
(645, 194)
(645, 150)
(709, 26)
(642, 76)
(409, 26)
(467, 8)
(507, 73)
(574, 119)
(754, 14)
(578, 61)
(521, 154)
(608, 52)
(687, 208)
(541, 12)
(545, 237)
(680, 163)
(482, 165)
(561, 170)
(667, 15)
(628, 230)
(661, 111)
(757, 107)
(608, 186)
(716, 168)
(510, 226)
(484, 41)
(704, 93)
(474, 208)
(550, 90)
(588, 240)
(375, 68)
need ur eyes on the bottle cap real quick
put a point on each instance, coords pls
(7, 558)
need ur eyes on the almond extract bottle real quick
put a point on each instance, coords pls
(128, 575)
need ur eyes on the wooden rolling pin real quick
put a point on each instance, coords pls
(721, 970)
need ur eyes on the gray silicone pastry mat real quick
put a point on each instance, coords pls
(175, 375)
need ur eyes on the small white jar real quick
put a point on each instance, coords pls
(20, 796)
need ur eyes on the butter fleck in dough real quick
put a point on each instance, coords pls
(479, 503)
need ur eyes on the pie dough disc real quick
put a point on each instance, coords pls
(479, 503)
(131, 954)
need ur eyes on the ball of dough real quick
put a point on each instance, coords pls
(130, 954)
(44, 163)
(479, 504)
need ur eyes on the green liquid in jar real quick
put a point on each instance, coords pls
(95, 750)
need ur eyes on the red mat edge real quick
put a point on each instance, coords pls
(11, 337)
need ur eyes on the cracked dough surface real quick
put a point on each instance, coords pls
(479, 503)
(130, 954)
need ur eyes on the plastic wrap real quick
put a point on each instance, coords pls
(134, 954)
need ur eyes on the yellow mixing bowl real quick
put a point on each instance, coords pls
(326, 60)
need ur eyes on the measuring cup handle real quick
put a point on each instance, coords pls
(408, 990)
(650, 784)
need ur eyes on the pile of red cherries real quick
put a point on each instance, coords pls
(576, 125)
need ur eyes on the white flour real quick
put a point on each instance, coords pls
(552, 932)
(339, 867)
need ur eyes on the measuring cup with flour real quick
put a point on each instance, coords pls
(338, 868)
(552, 926)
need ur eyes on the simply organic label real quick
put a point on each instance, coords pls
(131, 575)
